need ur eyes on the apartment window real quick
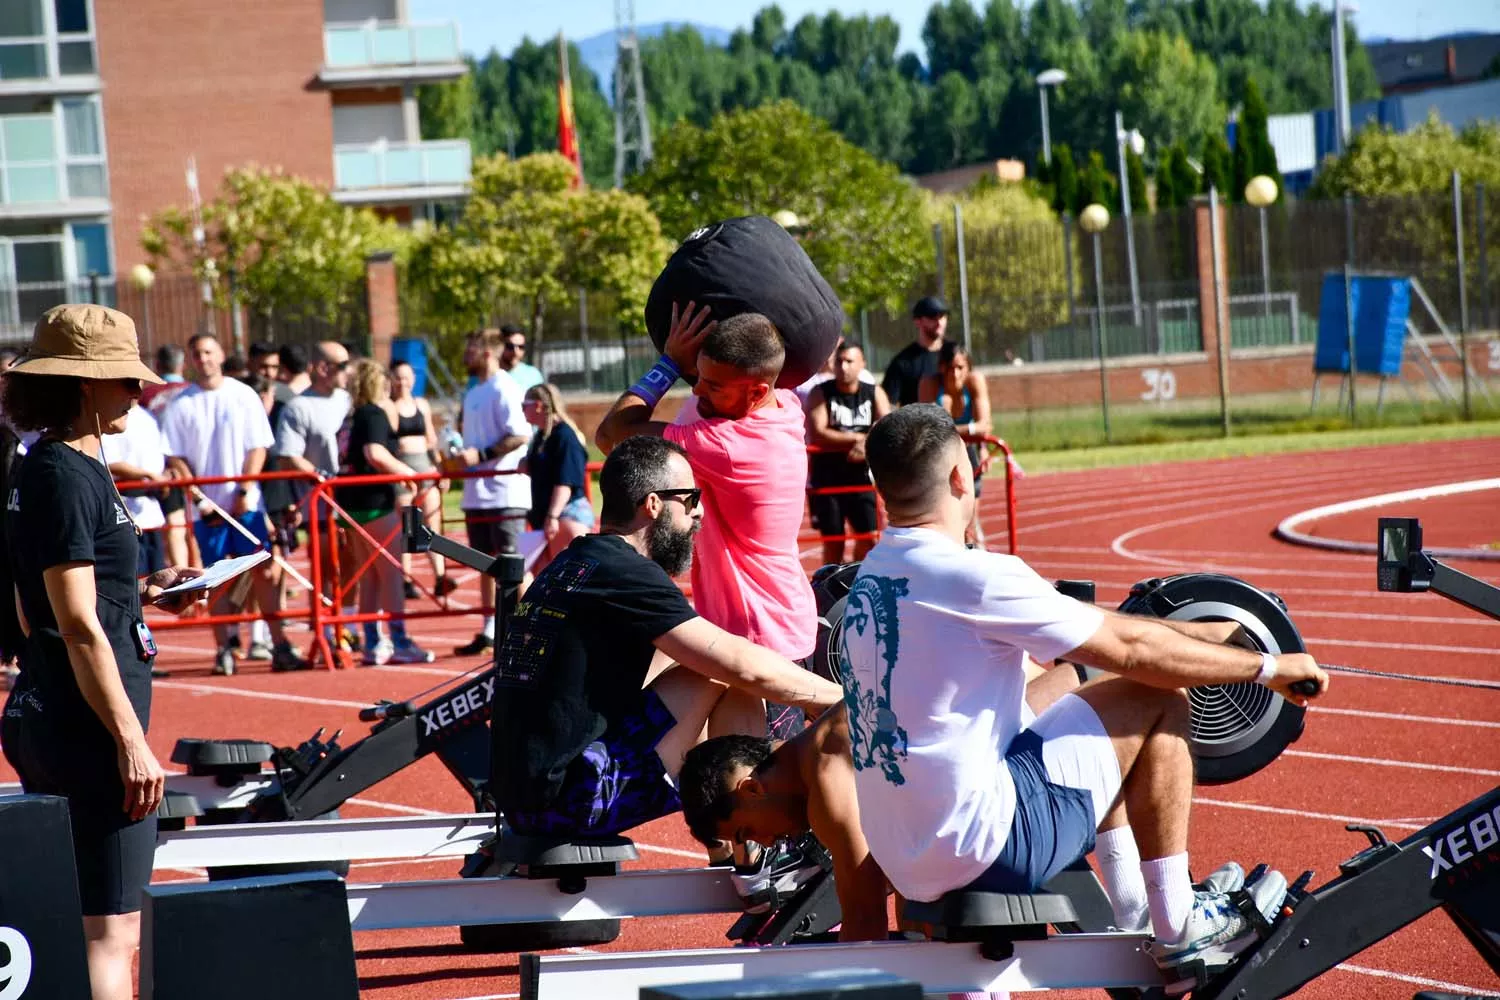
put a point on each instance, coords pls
(53, 156)
(84, 148)
(43, 38)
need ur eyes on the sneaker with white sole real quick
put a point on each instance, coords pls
(1218, 931)
(410, 652)
(1226, 878)
(380, 654)
(224, 661)
(774, 876)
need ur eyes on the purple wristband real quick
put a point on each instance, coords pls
(654, 384)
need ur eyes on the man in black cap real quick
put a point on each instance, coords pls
(919, 359)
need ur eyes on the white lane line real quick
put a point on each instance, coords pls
(675, 852)
(1399, 717)
(1304, 814)
(1287, 530)
(1365, 970)
(1384, 762)
(492, 996)
(1416, 647)
(1419, 619)
(265, 695)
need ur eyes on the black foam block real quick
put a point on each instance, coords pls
(751, 264)
(41, 919)
(833, 984)
(282, 936)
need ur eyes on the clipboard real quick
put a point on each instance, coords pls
(214, 577)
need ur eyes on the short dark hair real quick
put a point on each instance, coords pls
(849, 345)
(637, 466)
(748, 342)
(192, 343)
(510, 330)
(293, 358)
(906, 449)
(41, 402)
(951, 350)
(261, 348)
(703, 782)
(170, 358)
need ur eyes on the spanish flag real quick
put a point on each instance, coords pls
(567, 126)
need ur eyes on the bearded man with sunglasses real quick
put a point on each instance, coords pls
(586, 743)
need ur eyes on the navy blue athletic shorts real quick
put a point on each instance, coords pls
(218, 539)
(617, 783)
(1054, 825)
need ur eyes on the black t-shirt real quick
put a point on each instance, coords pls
(906, 371)
(558, 459)
(847, 411)
(62, 508)
(573, 662)
(367, 425)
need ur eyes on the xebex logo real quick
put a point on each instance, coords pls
(1464, 843)
(465, 703)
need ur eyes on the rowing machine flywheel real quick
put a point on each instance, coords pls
(1237, 729)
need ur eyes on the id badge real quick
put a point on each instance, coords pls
(145, 643)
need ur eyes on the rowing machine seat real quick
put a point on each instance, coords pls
(552, 852)
(217, 756)
(963, 916)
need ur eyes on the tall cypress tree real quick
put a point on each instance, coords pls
(1135, 176)
(1064, 180)
(1255, 127)
(1217, 166)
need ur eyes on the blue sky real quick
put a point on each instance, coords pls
(503, 23)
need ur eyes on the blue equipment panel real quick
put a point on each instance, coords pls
(1381, 306)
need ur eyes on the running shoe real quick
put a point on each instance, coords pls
(481, 643)
(380, 654)
(1227, 878)
(285, 659)
(224, 661)
(407, 651)
(445, 585)
(258, 651)
(775, 875)
(410, 590)
(1218, 931)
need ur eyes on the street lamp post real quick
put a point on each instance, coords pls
(1341, 72)
(1261, 192)
(1094, 218)
(1137, 145)
(1045, 79)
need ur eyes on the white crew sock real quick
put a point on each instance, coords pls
(1120, 871)
(488, 631)
(1169, 894)
(260, 632)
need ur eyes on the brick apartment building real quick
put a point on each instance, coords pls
(103, 104)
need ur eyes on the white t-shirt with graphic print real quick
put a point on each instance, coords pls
(935, 639)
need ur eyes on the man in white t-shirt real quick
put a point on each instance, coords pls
(967, 794)
(495, 438)
(217, 426)
(138, 455)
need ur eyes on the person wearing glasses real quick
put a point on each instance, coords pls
(75, 723)
(587, 739)
(513, 358)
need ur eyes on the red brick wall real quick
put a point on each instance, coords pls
(1192, 376)
(228, 82)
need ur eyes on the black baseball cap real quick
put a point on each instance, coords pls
(929, 307)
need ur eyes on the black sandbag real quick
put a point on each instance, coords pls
(751, 264)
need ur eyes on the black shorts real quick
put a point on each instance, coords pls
(831, 510)
(173, 500)
(495, 530)
(114, 855)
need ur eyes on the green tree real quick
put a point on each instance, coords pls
(1165, 89)
(1097, 185)
(294, 251)
(1253, 153)
(1176, 181)
(526, 235)
(1065, 180)
(1135, 176)
(862, 222)
(1218, 166)
(1381, 161)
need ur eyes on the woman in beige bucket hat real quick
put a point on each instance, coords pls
(76, 719)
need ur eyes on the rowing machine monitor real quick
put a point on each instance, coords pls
(1401, 566)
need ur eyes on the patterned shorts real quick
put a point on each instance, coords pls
(617, 783)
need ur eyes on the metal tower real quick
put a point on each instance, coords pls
(632, 127)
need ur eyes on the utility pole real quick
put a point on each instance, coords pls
(632, 127)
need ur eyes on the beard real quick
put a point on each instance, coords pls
(668, 547)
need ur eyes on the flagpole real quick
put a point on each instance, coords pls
(565, 117)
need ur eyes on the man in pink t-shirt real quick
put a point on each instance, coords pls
(745, 441)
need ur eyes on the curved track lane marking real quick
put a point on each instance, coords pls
(1288, 531)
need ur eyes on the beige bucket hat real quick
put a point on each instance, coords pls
(86, 341)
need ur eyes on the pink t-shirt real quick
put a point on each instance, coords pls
(747, 577)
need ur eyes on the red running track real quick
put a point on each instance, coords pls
(1394, 753)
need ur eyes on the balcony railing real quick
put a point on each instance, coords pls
(390, 45)
(440, 163)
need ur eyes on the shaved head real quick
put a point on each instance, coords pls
(332, 352)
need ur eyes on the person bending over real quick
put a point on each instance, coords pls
(737, 789)
(935, 636)
(583, 744)
(744, 439)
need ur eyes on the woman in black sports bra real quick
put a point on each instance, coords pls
(416, 445)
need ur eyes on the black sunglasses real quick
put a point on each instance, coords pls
(688, 497)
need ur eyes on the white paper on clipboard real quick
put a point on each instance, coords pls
(217, 575)
(530, 545)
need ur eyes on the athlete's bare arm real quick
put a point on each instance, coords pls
(833, 813)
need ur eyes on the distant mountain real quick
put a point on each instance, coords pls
(598, 51)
